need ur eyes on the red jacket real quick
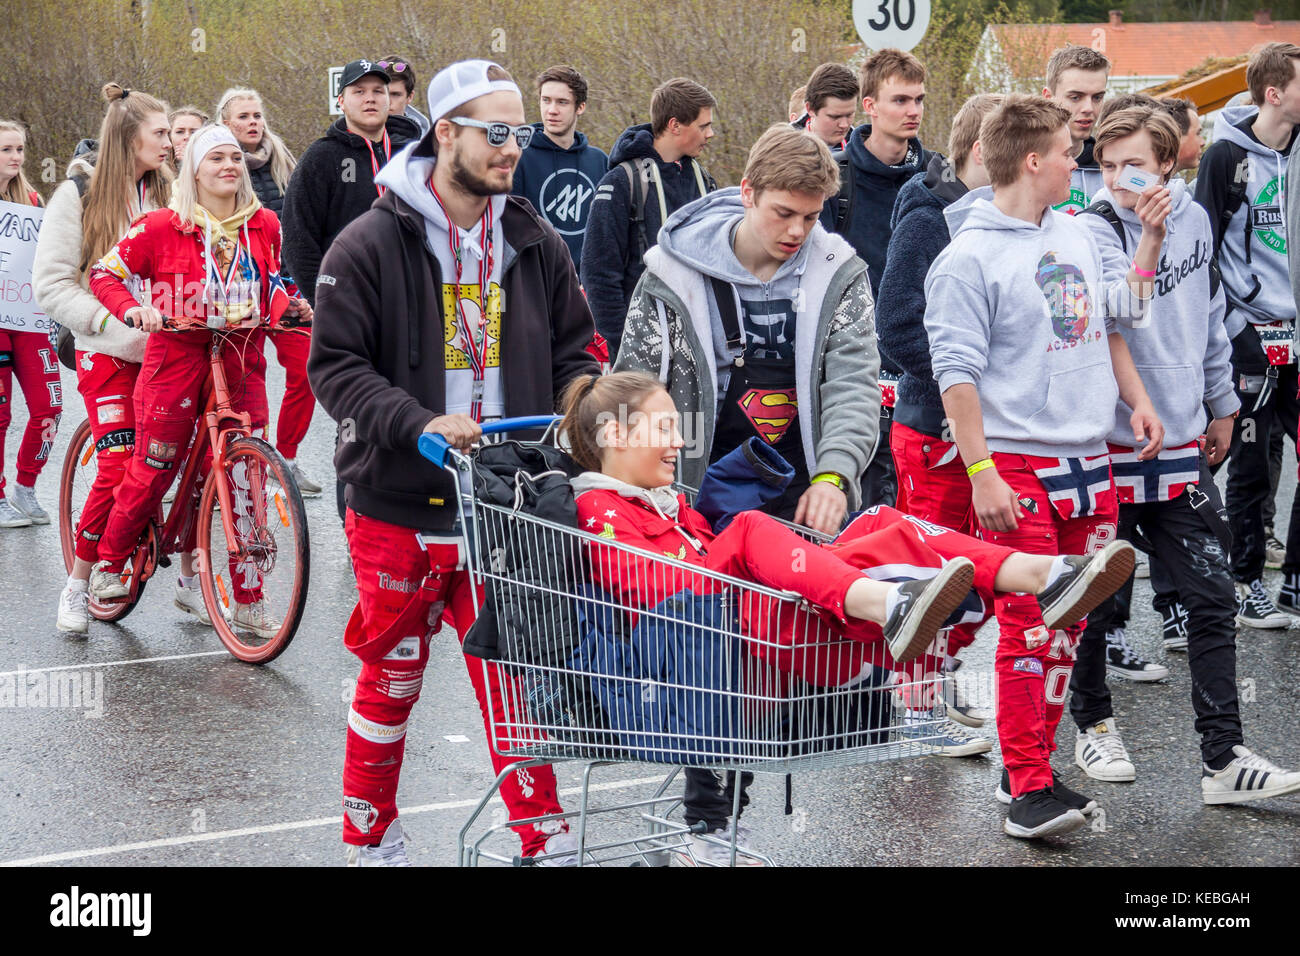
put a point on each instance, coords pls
(157, 250)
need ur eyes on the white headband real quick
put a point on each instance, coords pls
(206, 140)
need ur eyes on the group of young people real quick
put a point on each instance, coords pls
(1000, 359)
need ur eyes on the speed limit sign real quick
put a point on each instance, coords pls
(891, 23)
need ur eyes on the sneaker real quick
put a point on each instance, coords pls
(561, 850)
(1123, 661)
(11, 517)
(714, 849)
(1141, 566)
(1274, 550)
(936, 730)
(1173, 622)
(1254, 609)
(1248, 777)
(923, 606)
(24, 500)
(1041, 813)
(74, 608)
(1288, 598)
(306, 487)
(190, 600)
(1099, 752)
(1089, 581)
(1072, 799)
(961, 709)
(391, 850)
(256, 618)
(105, 584)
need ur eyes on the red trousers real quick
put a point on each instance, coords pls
(1033, 664)
(406, 588)
(167, 391)
(107, 385)
(29, 356)
(291, 348)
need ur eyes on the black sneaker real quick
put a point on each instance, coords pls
(1123, 661)
(1254, 609)
(1173, 622)
(1288, 599)
(1073, 800)
(1090, 580)
(1041, 813)
(923, 606)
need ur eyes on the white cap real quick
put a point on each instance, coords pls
(461, 82)
(208, 139)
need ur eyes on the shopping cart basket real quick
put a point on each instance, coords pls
(722, 673)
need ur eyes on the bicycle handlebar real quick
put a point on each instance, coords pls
(435, 447)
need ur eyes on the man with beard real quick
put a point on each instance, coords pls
(434, 299)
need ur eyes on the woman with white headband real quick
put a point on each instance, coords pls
(213, 255)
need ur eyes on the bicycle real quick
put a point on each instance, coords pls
(238, 515)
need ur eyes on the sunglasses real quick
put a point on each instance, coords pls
(498, 133)
(397, 66)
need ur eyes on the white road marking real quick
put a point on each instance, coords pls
(133, 660)
(336, 820)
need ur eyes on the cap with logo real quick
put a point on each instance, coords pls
(357, 69)
(461, 82)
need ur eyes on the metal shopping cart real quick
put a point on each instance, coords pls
(722, 674)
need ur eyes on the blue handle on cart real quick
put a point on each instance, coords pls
(435, 447)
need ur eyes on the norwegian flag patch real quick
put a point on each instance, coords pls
(1076, 487)
(1163, 478)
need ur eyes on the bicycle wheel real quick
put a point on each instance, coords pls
(80, 466)
(254, 563)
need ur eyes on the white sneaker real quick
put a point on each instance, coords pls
(1141, 567)
(106, 585)
(1100, 753)
(25, 501)
(1248, 777)
(306, 487)
(74, 608)
(256, 618)
(714, 849)
(190, 600)
(391, 850)
(561, 850)
(170, 496)
(11, 517)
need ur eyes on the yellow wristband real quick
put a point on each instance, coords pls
(830, 476)
(981, 465)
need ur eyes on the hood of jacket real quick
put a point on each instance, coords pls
(663, 500)
(699, 235)
(866, 161)
(400, 132)
(541, 141)
(633, 143)
(935, 188)
(957, 212)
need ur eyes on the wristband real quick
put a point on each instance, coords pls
(982, 465)
(1144, 273)
(831, 477)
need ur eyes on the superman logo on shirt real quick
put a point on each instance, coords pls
(770, 410)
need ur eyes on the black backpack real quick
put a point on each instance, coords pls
(1107, 211)
(844, 199)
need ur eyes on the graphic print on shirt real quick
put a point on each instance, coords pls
(461, 334)
(771, 411)
(769, 328)
(1065, 287)
(1266, 218)
(564, 197)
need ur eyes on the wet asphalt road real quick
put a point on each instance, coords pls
(200, 760)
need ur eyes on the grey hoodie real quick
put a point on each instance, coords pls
(1181, 348)
(1253, 262)
(673, 331)
(1022, 312)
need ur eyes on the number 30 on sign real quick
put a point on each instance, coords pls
(891, 23)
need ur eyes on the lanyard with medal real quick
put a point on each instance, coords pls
(226, 283)
(374, 163)
(476, 352)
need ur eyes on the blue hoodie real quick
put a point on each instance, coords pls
(560, 183)
(609, 270)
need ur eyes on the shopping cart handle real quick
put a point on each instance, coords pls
(434, 447)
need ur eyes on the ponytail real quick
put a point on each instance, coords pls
(590, 399)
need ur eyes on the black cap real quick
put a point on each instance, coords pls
(357, 69)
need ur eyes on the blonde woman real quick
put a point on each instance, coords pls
(107, 188)
(29, 357)
(185, 122)
(269, 165)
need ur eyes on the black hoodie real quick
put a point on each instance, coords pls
(609, 269)
(333, 184)
(560, 183)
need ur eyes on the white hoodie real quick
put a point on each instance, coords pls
(1022, 312)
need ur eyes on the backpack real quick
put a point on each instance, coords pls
(844, 199)
(641, 173)
(61, 338)
(1107, 211)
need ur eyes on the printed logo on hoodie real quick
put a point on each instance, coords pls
(1065, 287)
(564, 196)
(1076, 204)
(1266, 218)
